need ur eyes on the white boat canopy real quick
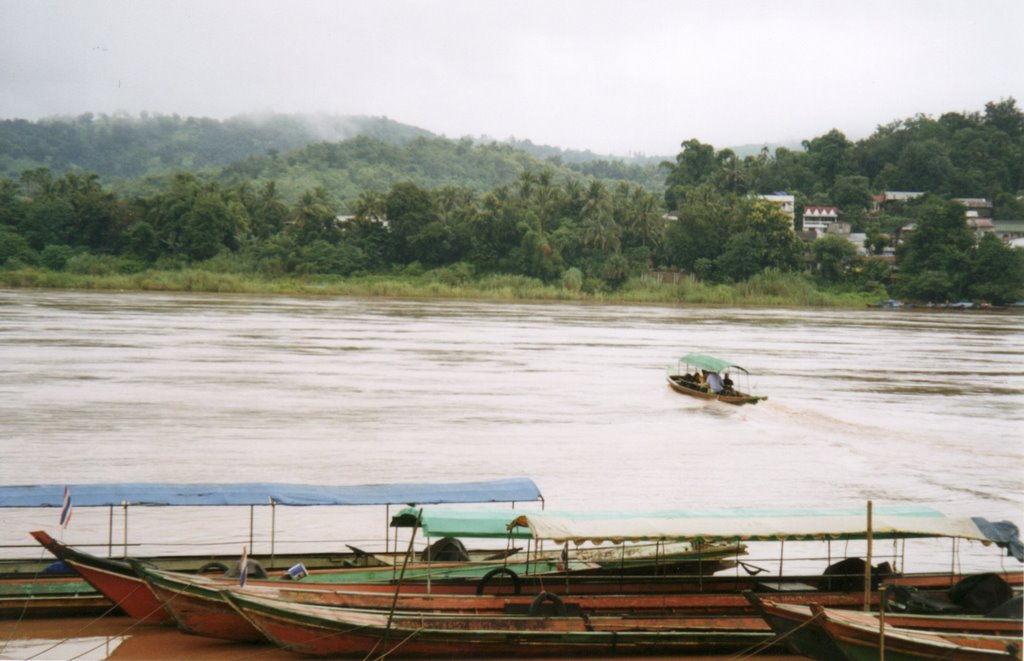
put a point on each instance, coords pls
(765, 525)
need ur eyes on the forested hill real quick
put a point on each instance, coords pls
(345, 155)
(128, 147)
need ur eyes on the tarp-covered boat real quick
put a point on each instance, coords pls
(118, 582)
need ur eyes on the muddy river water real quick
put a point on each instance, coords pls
(916, 407)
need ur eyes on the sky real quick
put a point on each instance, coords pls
(621, 77)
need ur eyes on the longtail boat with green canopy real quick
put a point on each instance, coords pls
(656, 557)
(706, 377)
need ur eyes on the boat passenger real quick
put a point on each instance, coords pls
(714, 382)
(727, 384)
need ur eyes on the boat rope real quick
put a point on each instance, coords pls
(754, 650)
(75, 634)
(123, 632)
(397, 645)
(401, 577)
(24, 607)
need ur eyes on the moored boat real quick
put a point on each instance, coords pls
(194, 600)
(864, 637)
(341, 632)
(706, 377)
(799, 627)
(117, 582)
(200, 605)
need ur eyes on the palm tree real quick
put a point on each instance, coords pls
(600, 230)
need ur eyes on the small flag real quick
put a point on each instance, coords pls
(65, 511)
(243, 567)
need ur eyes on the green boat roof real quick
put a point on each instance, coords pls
(709, 363)
(476, 523)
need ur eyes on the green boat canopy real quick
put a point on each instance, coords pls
(709, 363)
(475, 523)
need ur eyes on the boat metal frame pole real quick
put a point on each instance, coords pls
(881, 623)
(124, 505)
(952, 561)
(110, 531)
(867, 568)
(398, 585)
(251, 509)
(273, 527)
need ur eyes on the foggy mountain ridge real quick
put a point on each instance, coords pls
(125, 146)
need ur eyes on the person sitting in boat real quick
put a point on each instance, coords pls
(727, 384)
(714, 382)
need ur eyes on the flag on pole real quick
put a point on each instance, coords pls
(65, 511)
(243, 567)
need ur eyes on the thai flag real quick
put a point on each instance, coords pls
(243, 567)
(65, 511)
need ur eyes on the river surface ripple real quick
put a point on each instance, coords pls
(893, 406)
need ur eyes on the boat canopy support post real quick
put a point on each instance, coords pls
(273, 528)
(124, 506)
(110, 531)
(952, 560)
(867, 568)
(398, 584)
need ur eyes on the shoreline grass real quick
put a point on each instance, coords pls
(768, 290)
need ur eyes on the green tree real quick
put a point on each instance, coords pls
(694, 165)
(835, 258)
(997, 272)
(409, 210)
(937, 252)
(208, 227)
(781, 247)
(925, 166)
(705, 221)
(851, 193)
(831, 156)
(600, 232)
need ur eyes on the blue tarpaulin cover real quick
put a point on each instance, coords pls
(516, 489)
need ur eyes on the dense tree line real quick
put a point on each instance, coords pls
(956, 156)
(468, 209)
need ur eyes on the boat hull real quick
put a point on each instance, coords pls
(339, 632)
(739, 399)
(859, 637)
(798, 626)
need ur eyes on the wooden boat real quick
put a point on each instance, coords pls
(798, 626)
(200, 605)
(691, 375)
(118, 581)
(115, 581)
(341, 632)
(862, 636)
(196, 603)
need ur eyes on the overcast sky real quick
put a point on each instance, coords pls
(620, 77)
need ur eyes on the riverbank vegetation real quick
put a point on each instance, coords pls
(426, 216)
